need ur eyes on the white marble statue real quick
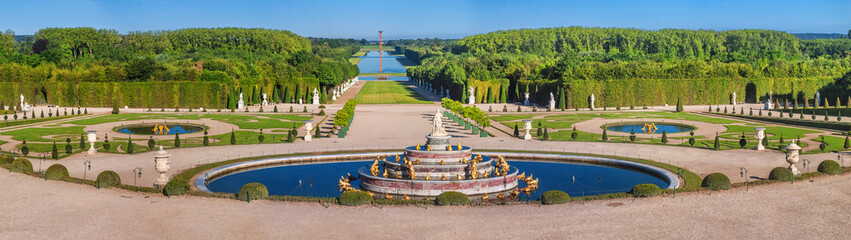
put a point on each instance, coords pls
(526, 101)
(315, 96)
(818, 98)
(734, 99)
(240, 104)
(552, 105)
(472, 96)
(592, 101)
(437, 130)
(265, 100)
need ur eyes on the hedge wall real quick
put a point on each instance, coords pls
(640, 92)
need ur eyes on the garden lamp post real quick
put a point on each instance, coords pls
(744, 173)
(137, 172)
(39, 163)
(87, 165)
(839, 158)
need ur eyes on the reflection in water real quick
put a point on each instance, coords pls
(369, 63)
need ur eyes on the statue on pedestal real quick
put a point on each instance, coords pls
(592, 101)
(437, 130)
(240, 104)
(315, 96)
(472, 96)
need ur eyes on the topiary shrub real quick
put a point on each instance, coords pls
(175, 187)
(829, 167)
(251, 191)
(56, 172)
(554, 197)
(21, 165)
(452, 198)
(646, 190)
(781, 174)
(108, 179)
(716, 181)
(355, 198)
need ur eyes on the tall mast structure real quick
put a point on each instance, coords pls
(380, 56)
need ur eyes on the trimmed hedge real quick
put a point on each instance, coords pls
(21, 165)
(781, 174)
(452, 198)
(554, 197)
(6, 159)
(646, 190)
(716, 181)
(841, 126)
(56, 172)
(829, 167)
(108, 179)
(252, 191)
(175, 187)
(355, 198)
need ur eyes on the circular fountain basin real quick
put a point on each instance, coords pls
(576, 175)
(636, 127)
(148, 129)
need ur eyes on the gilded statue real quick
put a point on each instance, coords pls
(385, 173)
(459, 146)
(411, 172)
(428, 177)
(417, 162)
(485, 197)
(474, 171)
(460, 177)
(374, 168)
(406, 197)
(388, 196)
(428, 147)
(441, 161)
(418, 146)
(449, 148)
(442, 177)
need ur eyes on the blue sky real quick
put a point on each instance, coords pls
(424, 18)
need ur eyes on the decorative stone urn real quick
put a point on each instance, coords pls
(527, 124)
(92, 138)
(161, 165)
(792, 156)
(308, 125)
(760, 134)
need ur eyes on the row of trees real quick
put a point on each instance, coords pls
(240, 60)
(628, 62)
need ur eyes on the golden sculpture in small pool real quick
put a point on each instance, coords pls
(160, 129)
(374, 168)
(649, 128)
(418, 146)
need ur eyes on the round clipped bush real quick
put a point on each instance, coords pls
(6, 159)
(21, 165)
(829, 167)
(646, 190)
(452, 198)
(251, 191)
(56, 172)
(175, 187)
(716, 181)
(554, 197)
(355, 198)
(108, 179)
(781, 174)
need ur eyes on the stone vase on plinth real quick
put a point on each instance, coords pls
(92, 138)
(162, 166)
(792, 157)
(308, 125)
(527, 125)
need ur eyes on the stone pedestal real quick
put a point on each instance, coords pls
(315, 96)
(759, 135)
(792, 157)
(438, 143)
(240, 105)
(526, 101)
(527, 125)
(768, 105)
(162, 166)
(552, 105)
(92, 137)
(308, 125)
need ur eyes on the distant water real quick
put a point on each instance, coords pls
(369, 63)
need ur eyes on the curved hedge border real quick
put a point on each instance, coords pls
(56, 172)
(21, 165)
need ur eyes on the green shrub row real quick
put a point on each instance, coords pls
(841, 126)
(29, 121)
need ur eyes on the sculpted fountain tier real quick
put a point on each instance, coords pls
(437, 167)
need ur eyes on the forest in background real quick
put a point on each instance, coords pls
(194, 67)
(631, 67)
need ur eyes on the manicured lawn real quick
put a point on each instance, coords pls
(244, 121)
(354, 61)
(36, 134)
(834, 143)
(388, 92)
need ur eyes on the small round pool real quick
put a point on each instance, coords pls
(320, 179)
(640, 127)
(154, 129)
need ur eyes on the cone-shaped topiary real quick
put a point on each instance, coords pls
(605, 135)
(115, 107)
(108, 179)
(232, 138)
(56, 172)
(717, 144)
(781, 174)
(55, 152)
(664, 137)
(679, 105)
(177, 140)
(206, 139)
(554, 197)
(847, 143)
(716, 181)
(354, 198)
(646, 190)
(516, 131)
(151, 143)
(129, 146)
(546, 134)
(175, 187)
(251, 191)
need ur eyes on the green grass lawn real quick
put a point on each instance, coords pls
(388, 92)
(354, 61)
(37, 134)
(834, 143)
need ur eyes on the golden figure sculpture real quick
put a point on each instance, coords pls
(396, 159)
(441, 161)
(485, 197)
(500, 196)
(428, 177)
(411, 172)
(521, 176)
(515, 193)
(398, 175)
(406, 197)
(503, 166)
(160, 129)
(417, 162)
(460, 177)
(374, 168)
(487, 174)
(428, 147)
(418, 146)
(464, 161)
(442, 177)
(474, 171)
(459, 146)
(385, 173)
(649, 128)
(344, 184)
(449, 148)
(388, 196)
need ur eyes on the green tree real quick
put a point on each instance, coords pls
(717, 144)
(129, 145)
(605, 135)
(664, 137)
(151, 143)
(206, 139)
(232, 138)
(680, 106)
(177, 140)
(54, 152)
